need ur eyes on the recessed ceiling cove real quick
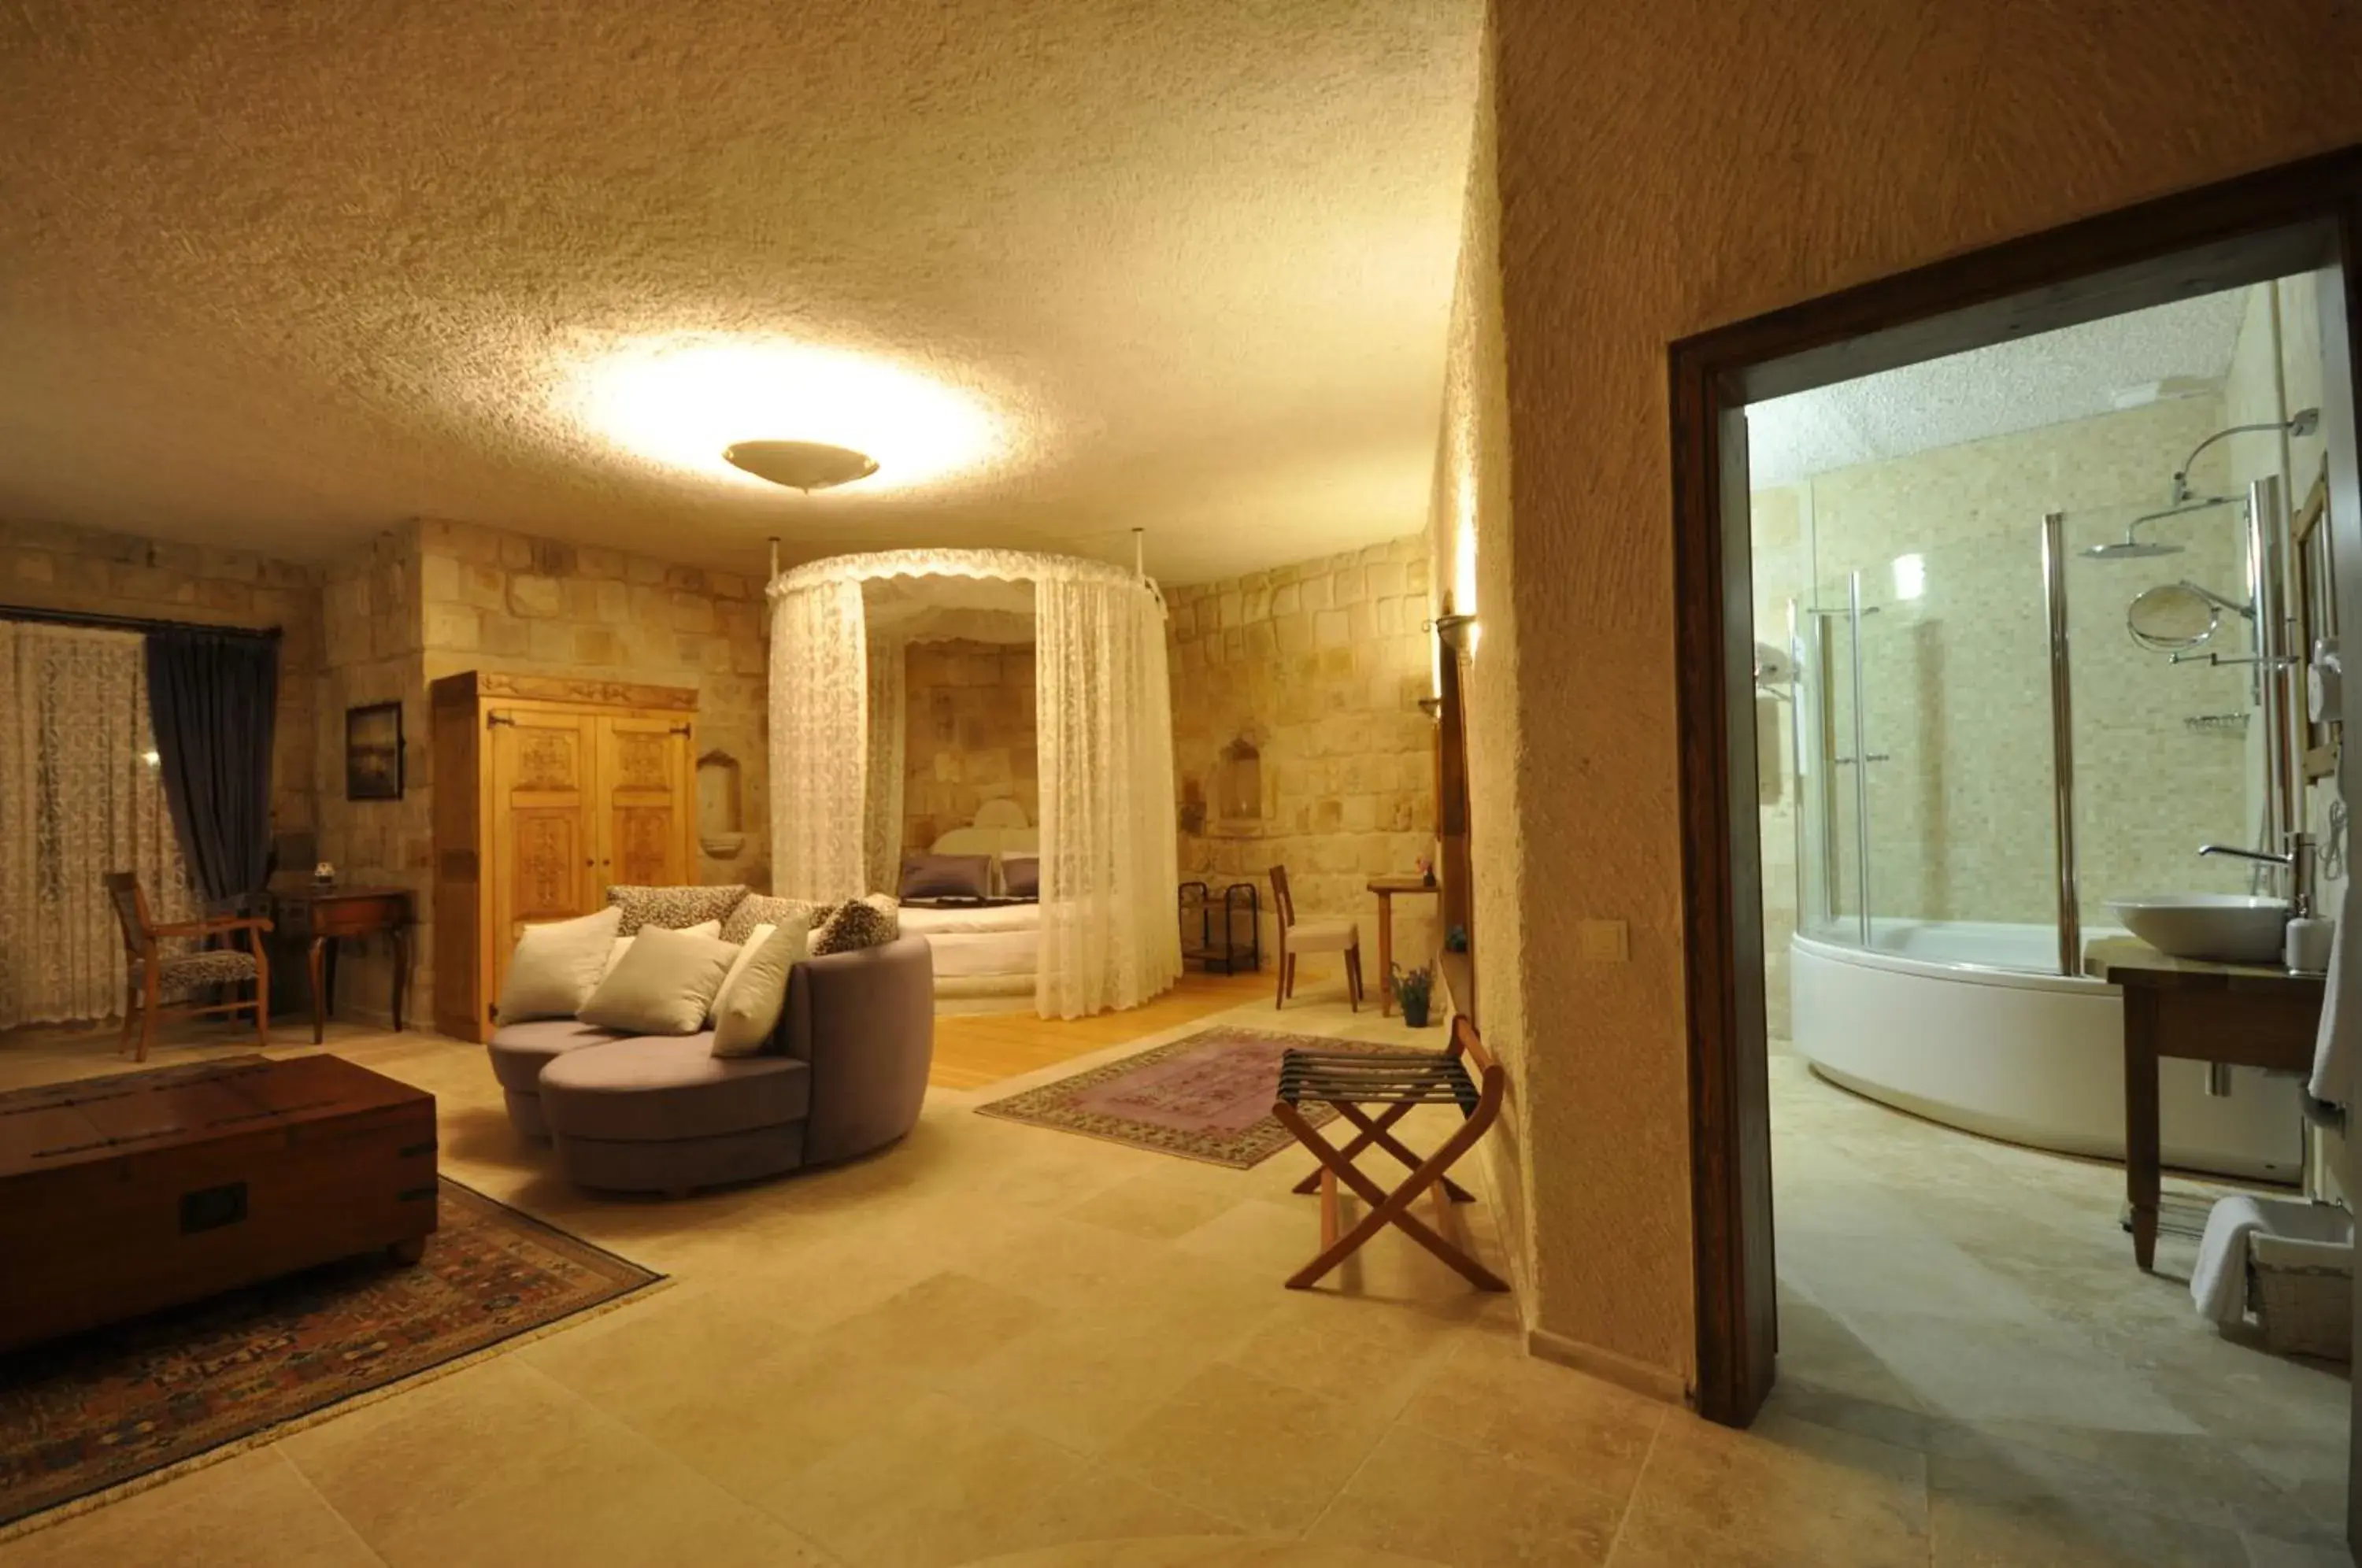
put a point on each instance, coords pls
(278, 276)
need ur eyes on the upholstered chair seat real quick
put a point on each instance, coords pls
(1297, 937)
(179, 975)
(1321, 937)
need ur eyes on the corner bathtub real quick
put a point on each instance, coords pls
(1937, 1022)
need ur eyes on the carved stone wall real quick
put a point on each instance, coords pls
(969, 712)
(498, 601)
(1319, 667)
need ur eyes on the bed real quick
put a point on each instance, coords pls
(983, 949)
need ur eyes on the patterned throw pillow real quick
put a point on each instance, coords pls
(858, 923)
(675, 909)
(755, 908)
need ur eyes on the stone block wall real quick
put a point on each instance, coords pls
(56, 566)
(968, 711)
(374, 654)
(1319, 666)
(495, 600)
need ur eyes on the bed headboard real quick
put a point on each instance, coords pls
(999, 829)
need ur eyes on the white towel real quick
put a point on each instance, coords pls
(2219, 1284)
(2332, 1045)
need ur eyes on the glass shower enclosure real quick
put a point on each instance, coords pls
(1984, 755)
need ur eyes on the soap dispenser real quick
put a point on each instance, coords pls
(2305, 944)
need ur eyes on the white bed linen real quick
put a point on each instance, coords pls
(974, 943)
(968, 920)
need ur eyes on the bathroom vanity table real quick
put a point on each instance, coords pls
(2239, 1015)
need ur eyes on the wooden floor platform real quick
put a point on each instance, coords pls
(975, 1049)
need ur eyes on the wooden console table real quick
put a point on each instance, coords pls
(1385, 888)
(327, 915)
(2237, 1014)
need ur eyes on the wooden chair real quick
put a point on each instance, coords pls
(1313, 936)
(154, 974)
(1398, 1080)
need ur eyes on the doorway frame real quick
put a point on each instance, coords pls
(2303, 216)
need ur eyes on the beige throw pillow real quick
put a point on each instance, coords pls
(746, 951)
(663, 986)
(557, 967)
(623, 944)
(744, 1019)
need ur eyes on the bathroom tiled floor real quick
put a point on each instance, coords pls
(1008, 1344)
(1976, 1305)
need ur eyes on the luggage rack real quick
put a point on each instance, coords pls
(1211, 936)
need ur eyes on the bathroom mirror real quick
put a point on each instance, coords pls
(2171, 617)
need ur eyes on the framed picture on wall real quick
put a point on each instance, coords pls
(373, 752)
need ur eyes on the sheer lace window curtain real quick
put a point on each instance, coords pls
(80, 796)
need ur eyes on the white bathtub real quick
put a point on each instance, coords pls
(1936, 1021)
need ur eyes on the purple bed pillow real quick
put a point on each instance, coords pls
(946, 876)
(1020, 876)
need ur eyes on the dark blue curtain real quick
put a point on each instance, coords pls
(214, 700)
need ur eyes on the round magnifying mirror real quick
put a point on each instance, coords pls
(2172, 617)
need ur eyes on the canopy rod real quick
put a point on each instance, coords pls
(1139, 553)
(775, 557)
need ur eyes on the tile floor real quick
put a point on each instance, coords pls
(1007, 1345)
(1971, 1310)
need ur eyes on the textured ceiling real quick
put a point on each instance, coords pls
(2023, 384)
(281, 275)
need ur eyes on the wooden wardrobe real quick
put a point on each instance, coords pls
(546, 791)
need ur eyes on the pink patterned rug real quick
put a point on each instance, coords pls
(1205, 1098)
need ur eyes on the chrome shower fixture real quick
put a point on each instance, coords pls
(2132, 547)
(2129, 548)
(2305, 422)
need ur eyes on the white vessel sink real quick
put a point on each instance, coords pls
(2222, 928)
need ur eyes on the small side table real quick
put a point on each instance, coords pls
(327, 915)
(1385, 888)
(2238, 1014)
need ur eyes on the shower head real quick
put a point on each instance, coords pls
(2133, 548)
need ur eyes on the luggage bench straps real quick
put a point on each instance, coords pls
(1350, 1080)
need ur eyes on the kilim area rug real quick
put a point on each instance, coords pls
(83, 1416)
(1204, 1097)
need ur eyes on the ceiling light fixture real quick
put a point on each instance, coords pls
(680, 401)
(806, 466)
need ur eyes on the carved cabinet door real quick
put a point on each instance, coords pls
(647, 800)
(543, 859)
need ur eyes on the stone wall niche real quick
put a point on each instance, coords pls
(1238, 785)
(721, 805)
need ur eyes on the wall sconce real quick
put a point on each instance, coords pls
(1458, 632)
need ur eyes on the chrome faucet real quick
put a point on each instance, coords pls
(2298, 863)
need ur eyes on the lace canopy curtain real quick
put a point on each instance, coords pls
(820, 742)
(882, 793)
(79, 797)
(1111, 931)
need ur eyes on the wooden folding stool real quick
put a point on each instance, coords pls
(1351, 1080)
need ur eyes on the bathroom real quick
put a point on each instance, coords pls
(2010, 679)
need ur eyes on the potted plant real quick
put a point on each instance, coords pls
(1412, 989)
